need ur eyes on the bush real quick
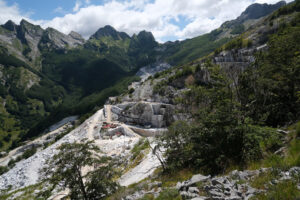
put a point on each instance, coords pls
(131, 91)
(298, 129)
(147, 197)
(3, 170)
(11, 163)
(139, 147)
(284, 190)
(7, 137)
(169, 194)
(28, 153)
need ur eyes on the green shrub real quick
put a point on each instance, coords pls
(298, 129)
(147, 197)
(3, 170)
(286, 190)
(7, 137)
(169, 194)
(263, 180)
(139, 147)
(29, 153)
(131, 91)
(11, 163)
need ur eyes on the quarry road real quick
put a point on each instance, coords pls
(108, 113)
(92, 124)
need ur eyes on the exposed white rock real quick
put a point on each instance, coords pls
(26, 172)
(150, 70)
(141, 171)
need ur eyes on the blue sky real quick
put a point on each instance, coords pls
(47, 9)
(166, 19)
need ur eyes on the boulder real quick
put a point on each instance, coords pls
(282, 132)
(193, 190)
(200, 198)
(196, 179)
(188, 195)
(3, 154)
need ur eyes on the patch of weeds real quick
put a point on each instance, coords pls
(298, 129)
(284, 190)
(200, 186)
(275, 161)
(119, 194)
(147, 197)
(139, 147)
(241, 182)
(170, 179)
(262, 181)
(169, 194)
(28, 193)
(293, 158)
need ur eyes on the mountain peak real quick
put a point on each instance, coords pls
(146, 35)
(57, 40)
(25, 25)
(143, 40)
(25, 22)
(254, 11)
(109, 31)
(257, 10)
(10, 25)
(76, 36)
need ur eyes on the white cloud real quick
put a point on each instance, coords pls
(10, 12)
(77, 6)
(59, 10)
(13, 12)
(132, 16)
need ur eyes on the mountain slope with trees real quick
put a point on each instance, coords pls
(58, 75)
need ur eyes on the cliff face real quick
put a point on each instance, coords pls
(53, 39)
(26, 41)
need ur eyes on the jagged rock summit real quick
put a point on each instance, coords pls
(109, 31)
(76, 36)
(253, 12)
(257, 10)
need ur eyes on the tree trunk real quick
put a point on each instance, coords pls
(156, 153)
(82, 188)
